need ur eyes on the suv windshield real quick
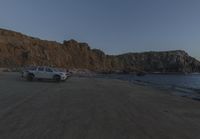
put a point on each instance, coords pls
(59, 70)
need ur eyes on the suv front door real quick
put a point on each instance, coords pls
(40, 72)
(49, 73)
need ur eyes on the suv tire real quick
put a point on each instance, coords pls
(30, 77)
(56, 78)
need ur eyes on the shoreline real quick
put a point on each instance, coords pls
(191, 93)
(188, 92)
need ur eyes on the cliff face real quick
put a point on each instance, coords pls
(17, 49)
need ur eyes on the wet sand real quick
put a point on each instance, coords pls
(91, 108)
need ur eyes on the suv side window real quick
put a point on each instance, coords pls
(41, 69)
(49, 70)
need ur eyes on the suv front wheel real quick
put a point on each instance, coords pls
(30, 77)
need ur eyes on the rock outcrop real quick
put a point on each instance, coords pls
(18, 50)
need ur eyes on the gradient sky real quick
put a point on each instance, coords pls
(114, 26)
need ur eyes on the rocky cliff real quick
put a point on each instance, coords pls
(169, 61)
(18, 50)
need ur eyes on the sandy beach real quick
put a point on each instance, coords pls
(92, 108)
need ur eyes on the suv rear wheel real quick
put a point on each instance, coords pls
(56, 78)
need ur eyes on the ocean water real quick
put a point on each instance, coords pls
(183, 85)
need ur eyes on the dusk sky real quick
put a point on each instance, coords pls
(114, 26)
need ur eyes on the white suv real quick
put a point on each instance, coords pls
(43, 72)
